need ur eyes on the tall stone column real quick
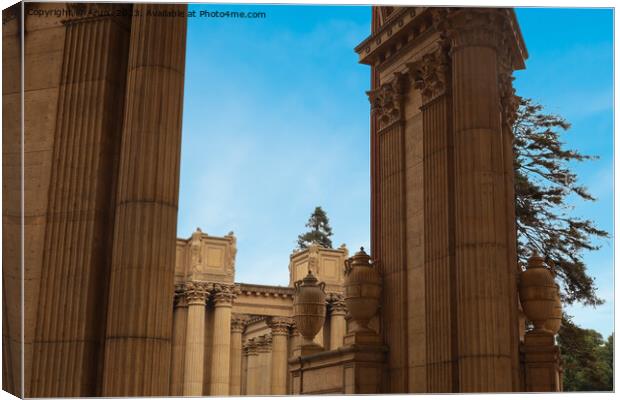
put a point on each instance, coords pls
(252, 374)
(139, 317)
(482, 277)
(244, 370)
(338, 324)
(179, 336)
(264, 365)
(279, 355)
(431, 76)
(237, 327)
(197, 294)
(223, 299)
(68, 335)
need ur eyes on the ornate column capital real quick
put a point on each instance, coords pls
(197, 292)
(251, 347)
(238, 323)
(263, 343)
(431, 73)
(386, 102)
(280, 325)
(336, 304)
(180, 298)
(480, 27)
(224, 295)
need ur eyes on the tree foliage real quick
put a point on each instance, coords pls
(544, 187)
(587, 359)
(319, 233)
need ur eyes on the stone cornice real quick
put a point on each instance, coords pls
(265, 290)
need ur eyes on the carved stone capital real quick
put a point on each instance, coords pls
(431, 74)
(251, 347)
(224, 295)
(263, 343)
(238, 323)
(336, 304)
(180, 299)
(386, 102)
(280, 325)
(197, 292)
(480, 27)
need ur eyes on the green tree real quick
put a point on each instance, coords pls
(544, 184)
(319, 233)
(587, 359)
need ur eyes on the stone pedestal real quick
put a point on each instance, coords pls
(279, 333)
(196, 294)
(236, 331)
(220, 364)
(139, 316)
(543, 372)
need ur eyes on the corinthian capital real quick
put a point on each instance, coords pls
(224, 295)
(336, 304)
(431, 73)
(387, 101)
(197, 292)
(280, 325)
(481, 27)
(237, 323)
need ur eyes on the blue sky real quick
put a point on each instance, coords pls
(276, 122)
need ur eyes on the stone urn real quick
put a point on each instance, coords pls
(538, 293)
(554, 323)
(362, 290)
(309, 308)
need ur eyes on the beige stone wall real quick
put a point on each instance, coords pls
(326, 264)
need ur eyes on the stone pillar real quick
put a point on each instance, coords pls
(68, 335)
(279, 356)
(220, 364)
(197, 294)
(264, 365)
(179, 336)
(431, 76)
(244, 370)
(139, 317)
(337, 330)
(237, 327)
(252, 374)
(482, 277)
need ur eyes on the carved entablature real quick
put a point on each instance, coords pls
(431, 74)
(280, 325)
(386, 102)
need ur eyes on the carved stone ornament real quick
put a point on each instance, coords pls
(180, 299)
(475, 27)
(430, 74)
(197, 292)
(224, 295)
(309, 307)
(362, 288)
(280, 325)
(336, 304)
(537, 292)
(238, 323)
(386, 102)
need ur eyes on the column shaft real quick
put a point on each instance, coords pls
(480, 236)
(68, 334)
(252, 374)
(195, 339)
(179, 337)
(219, 383)
(279, 355)
(337, 328)
(235, 357)
(139, 323)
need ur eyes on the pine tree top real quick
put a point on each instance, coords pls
(319, 231)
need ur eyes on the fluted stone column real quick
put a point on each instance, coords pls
(197, 294)
(482, 279)
(237, 327)
(139, 318)
(279, 356)
(252, 374)
(244, 370)
(337, 330)
(179, 336)
(68, 328)
(264, 367)
(223, 300)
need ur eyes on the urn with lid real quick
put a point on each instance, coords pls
(309, 307)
